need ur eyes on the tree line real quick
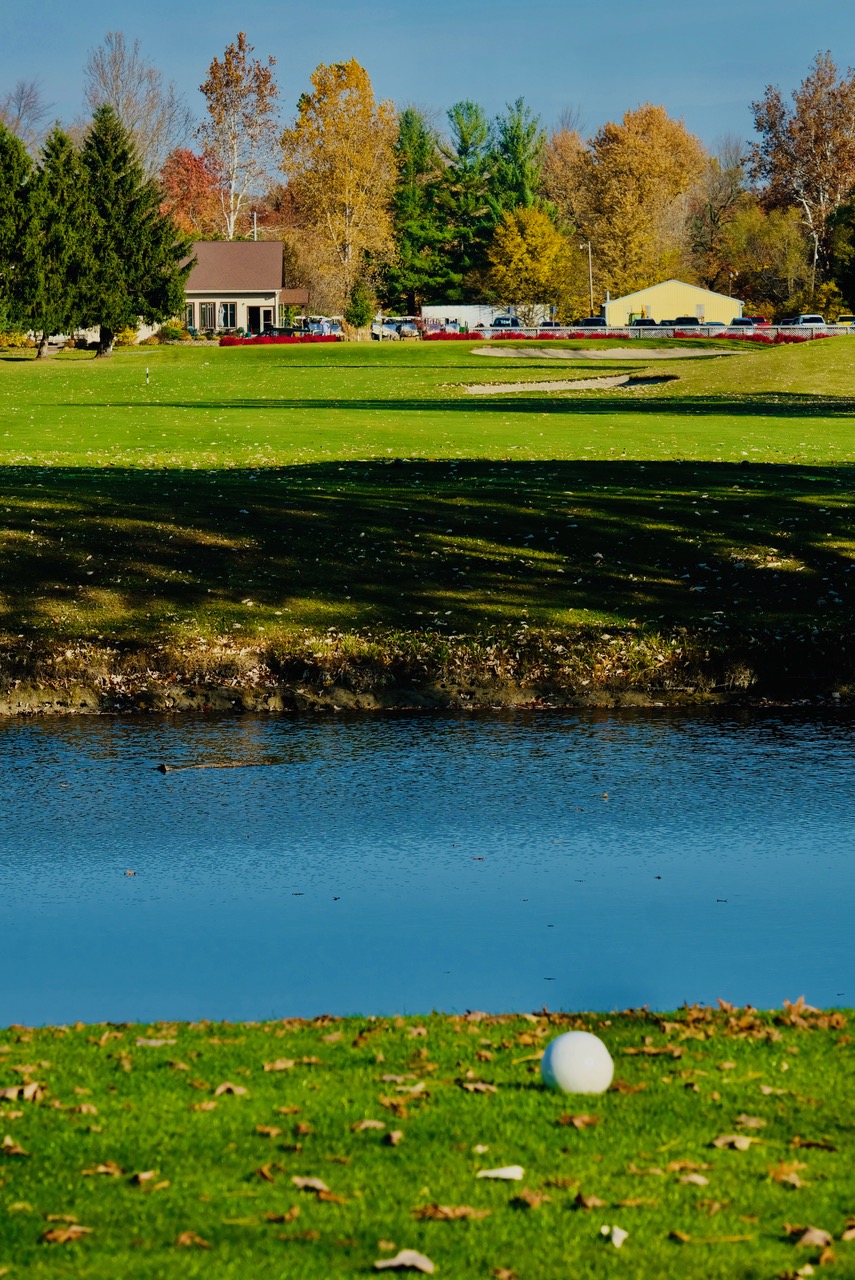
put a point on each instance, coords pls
(376, 204)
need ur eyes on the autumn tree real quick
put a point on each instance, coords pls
(564, 164)
(766, 260)
(718, 195)
(806, 152)
(153, 111)
(338, 155)
(241, 98)
(532, 263)
(633, 181)
(191, 190)
(23, 110)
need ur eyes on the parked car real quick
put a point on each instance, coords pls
(644, 322)
(591, 322)
(741, 322)
(667, 324)
(783, 324)
(714, 324)
(687, 322)
(551, 324)
(506, 322)
(847, 320)
(760, 321)
(817, 320)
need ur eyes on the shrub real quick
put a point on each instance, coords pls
(13, 340)
(125, 338)
(171, 333)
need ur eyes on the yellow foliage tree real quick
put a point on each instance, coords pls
(338, 157)
(531, 262)
(627, 192)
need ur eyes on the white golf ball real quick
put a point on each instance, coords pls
(577, 1062)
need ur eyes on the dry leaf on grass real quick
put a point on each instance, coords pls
(814, 1237)
(147, 1175)
(333, 1037)
(816, 1144)
(447, 1212)
(152, 1044)
(508, 1173)
(616, 1235)
(528, 1199)
(622, 1086)
(406, 1260)
(695, 1180)
(188, 1239)
(362, 1125)
(787, 1172)
(203, 1106)
(685, 1166)
(66, 1234)
(268, 1130)
(393, 1079)
(290, 1216)
(109, 1168)
(31, 1091)
(286, 1111)
(9, 1147)
(392, 1138)
(318, 1188)
(578, 1122)
(652, 1172)
(733, 1141)
(637, 1202)
(281, 1064)
(769, 1091)
(477, 1086)
(750, 1122)
(239, 1090)
(588, 1202)
(504, 1273)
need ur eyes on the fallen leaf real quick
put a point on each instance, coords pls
(616, 1235)
(768, 1090)
(447, 1212)
(66, 1234)
(414, 1088)
(504, 1273)
(309, 1184)
(817, 1144)
(302, 1129)
(153, 1044)
(175, 1065)
(311, 1236)
(393, 1079)
(286, 1111)
(621, 1086)
(265, 1172)
(281, 1064)
(653, 1172)
(392, 1138)
(147, 1175)
(509, 1173)
(727, 1066)
(238, 1090)
(19, 1206)
(589, 1202)
(332, 1038)
(289, 1216)
(814, 1237)
(188, 1239)
(685, 1166)
(578, 1122)
(210, 1105)
(849, 1230)
(480, 1149)
(787, 1172)
(681, 1237)
(362, 1125)
(695, 1180)
(734, 1141)
(268, 1130)
(9, 1147)
(637, 1202)
(478, 1086)
(109, 1168)
(86, 1109)
(407, 1259)
(528, 1199)
(750, 1122)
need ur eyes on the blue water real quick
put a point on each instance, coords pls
(593, 860)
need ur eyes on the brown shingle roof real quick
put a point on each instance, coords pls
(236, 266)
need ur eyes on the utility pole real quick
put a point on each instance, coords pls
(587, 245)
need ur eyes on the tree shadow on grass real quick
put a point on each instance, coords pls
(423, 544)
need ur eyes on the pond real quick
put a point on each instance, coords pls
(402, 863)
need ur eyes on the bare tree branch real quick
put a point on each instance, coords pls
(23, 111)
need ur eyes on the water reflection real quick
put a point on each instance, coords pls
(410, 862)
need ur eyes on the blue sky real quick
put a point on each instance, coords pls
(704, 60)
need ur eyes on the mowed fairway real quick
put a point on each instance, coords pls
(355, 486)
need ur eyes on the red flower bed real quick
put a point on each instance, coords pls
(266, 340)
(440, 336)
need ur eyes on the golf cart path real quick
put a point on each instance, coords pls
(601, 353)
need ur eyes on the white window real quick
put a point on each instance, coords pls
(207, 315)
(227, 316)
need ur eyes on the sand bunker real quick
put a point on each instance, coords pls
(564, 384)
(600, 353)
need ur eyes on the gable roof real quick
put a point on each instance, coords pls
(661, 284)
(236, 266)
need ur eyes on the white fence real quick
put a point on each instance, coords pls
(770, 331)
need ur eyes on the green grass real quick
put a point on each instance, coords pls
(218, 1174)
(261, 491)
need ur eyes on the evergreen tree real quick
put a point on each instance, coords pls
(137, 250)
(55, 246)
(518, 150)
(361, 307)
(465, 202)
(417, 272)
(15, 173)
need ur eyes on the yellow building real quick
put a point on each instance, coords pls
(670, 300)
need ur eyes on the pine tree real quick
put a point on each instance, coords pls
(137, 250)
(55, 245)
(519, 148)
(465, 202)
(15, 173)
(417, 272)
(361, 307)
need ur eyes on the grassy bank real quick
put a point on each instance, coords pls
(261, 495)
(145, 1151)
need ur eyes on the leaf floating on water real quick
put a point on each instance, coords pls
(406, 1260)
(448, 1212)
(189, 1240)
(508, 1173)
